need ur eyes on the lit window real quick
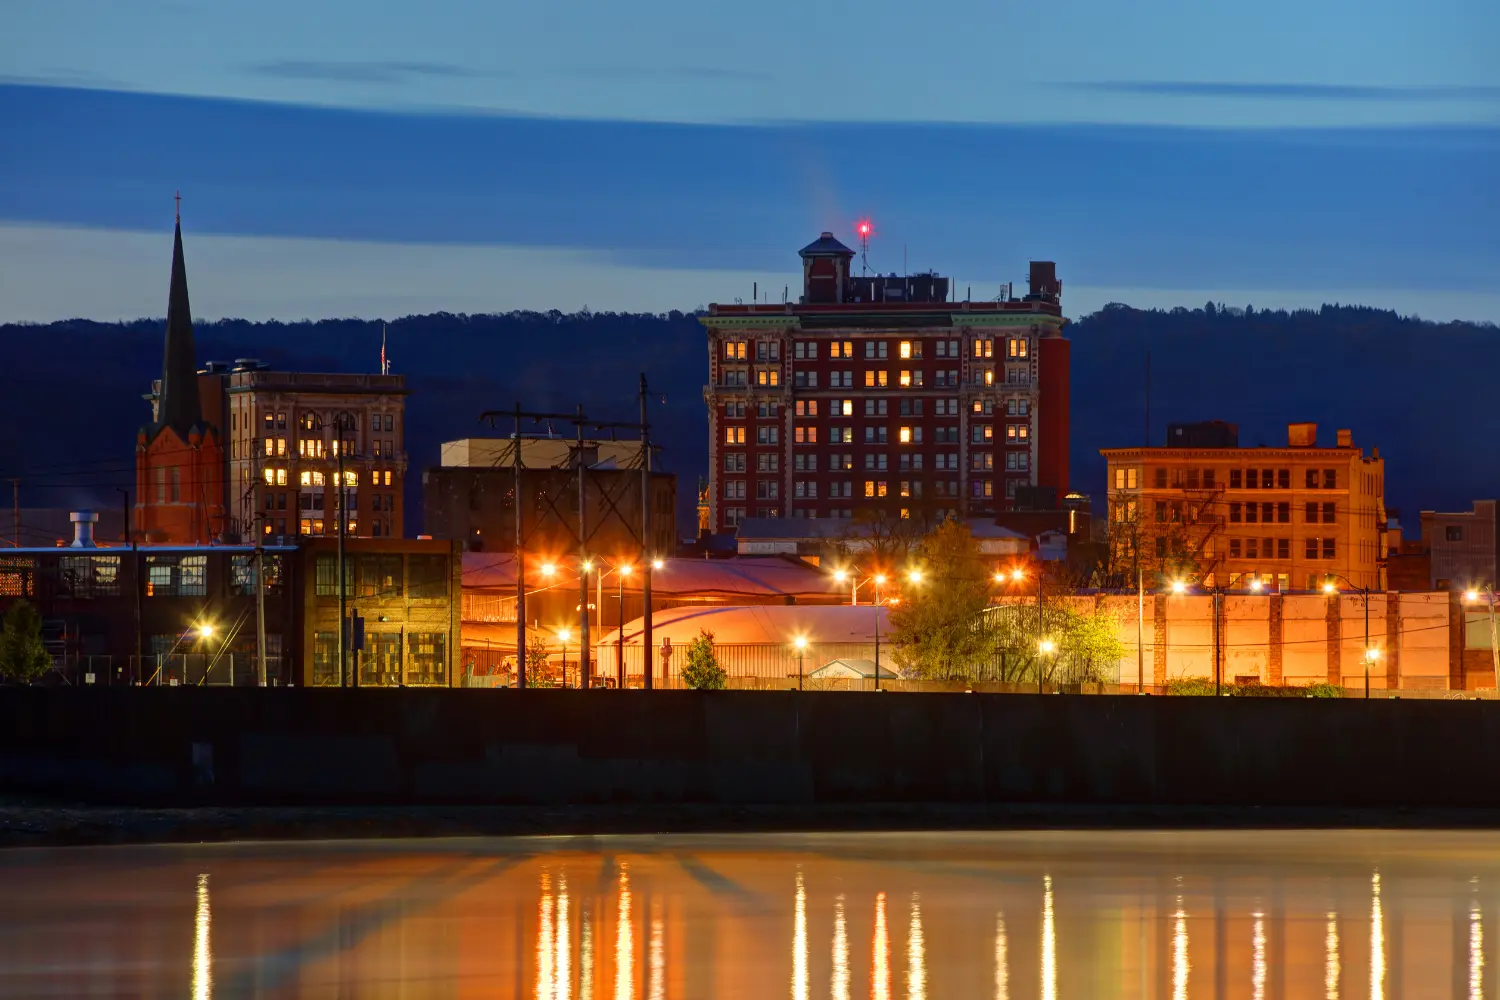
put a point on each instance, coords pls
(351, 478)
(904, 435)
(847, 407)
(989, 376)
(734, 435)
(880, 488)
(905, 351)
(869, 487)
(270, 477)
(270, 445)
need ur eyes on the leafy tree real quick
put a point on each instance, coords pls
(538, 663)
(702, 671)
(23, 656)
(936, 631)
(1086, 646)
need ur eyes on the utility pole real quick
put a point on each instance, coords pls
(584, 667)
(649, 670)
(520, 560)
(345, 679)
(257, 514)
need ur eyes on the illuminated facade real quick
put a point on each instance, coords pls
(884, 392)
(1287, 518)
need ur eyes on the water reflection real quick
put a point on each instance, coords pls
(1180, 966)
(1049, 943)
(624, 941)
(1476, 952)
(839, 985)
(563, 923)
(1331, 968)
(1377, 941)
(1258, 956)
(916, 954)
(799, 944)
(1002, 966)
(203, 959)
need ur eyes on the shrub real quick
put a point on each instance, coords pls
(1322, 690)
(1193, 686)
(702, 671)
(23, 656)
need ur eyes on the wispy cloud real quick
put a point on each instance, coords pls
(665, 73)
(383, 72)
(1285, 91)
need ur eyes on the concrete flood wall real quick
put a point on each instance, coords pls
(447, 746)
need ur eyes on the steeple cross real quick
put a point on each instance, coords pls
(178, 199)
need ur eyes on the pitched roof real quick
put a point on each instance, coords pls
(825, 246)
(178, 406)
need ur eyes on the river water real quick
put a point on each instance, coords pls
(1008, 916)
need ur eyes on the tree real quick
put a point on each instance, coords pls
(537, 663)
(1086, 645)
(702, 671)
(936, 630)
(23, 656)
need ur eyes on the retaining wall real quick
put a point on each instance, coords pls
(452, 746)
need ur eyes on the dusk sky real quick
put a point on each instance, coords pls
(345, 159)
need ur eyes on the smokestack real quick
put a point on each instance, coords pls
(83, 528)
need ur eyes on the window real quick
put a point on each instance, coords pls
(734, 461)
(768, 376)
(736, 377)
(1312, 547)
(767, 435)
(909, 435)
(734, 350)
(1159, 478)
(875, 407)
(841, 435)
(982, 487)
(802, 350)
(911, 407)
(176, 484)
(326, 575)
(982, 461)
(1252, 548)
(1283, 479)
(805, 435)
(1267, 513)
(1208, 479)
(767, 463)
(984, 347)
(875, 435)
(1453, 533)
(1283, 513)
(1234, 513)
(1016, 348)
(987, 407)
(86, 576)
(1234, 548)
(1252, 478)
(427, 657)
(427, 578)
(735, 410)
(270, 477)
(984, 433)
(807, 408)
(242, 572)
(1329, 547)
(767, 489)
(768, 350)
(1330, 513)
(1310, 512)
(1283, 548)
(176, 576)
(1235, 479)
(1330, 479)
(910, 349)
(733, 515)
(1251, 512)
(326, 659)
(734, 489)
(734, 435)
(1190, 479)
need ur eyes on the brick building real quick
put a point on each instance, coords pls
(470, 498)
(884, 392)
(1291, 518)
(191, 610)
(1463, 546)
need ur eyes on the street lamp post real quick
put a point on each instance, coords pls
(801, 643)
(1331, 589)
(1046, 648)
(563, 635)
(1489, 594)
(622, 572)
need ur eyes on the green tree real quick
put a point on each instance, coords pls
(936, 631)
(1085, 646)
(538, 663)
(702, 671)
(23, 656)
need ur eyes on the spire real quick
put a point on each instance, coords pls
(178, 406)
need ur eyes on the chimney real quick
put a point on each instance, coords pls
(83, 528)
(1346, 438)
(1301, 435)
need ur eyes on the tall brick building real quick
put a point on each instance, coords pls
(883, 391)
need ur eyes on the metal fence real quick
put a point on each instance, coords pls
(200, 669)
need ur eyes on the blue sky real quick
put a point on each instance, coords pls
(342, 158)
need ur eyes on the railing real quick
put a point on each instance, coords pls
(203, 669)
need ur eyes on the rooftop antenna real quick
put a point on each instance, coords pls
(863, 229)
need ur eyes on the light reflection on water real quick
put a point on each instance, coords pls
(1245, 916)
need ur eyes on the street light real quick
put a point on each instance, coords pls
(915, 576)
(1046, 647)
(1331, 589)
(563, 635)
(801, 643)
(657, 564)
(1255, 585)
(549, 569)
(206, 631)
(1179, 587)
(1473, 596)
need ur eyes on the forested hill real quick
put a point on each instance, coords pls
(1424, 393)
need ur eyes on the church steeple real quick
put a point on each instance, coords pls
(178, 406)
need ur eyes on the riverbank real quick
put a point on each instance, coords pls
(26, 823)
